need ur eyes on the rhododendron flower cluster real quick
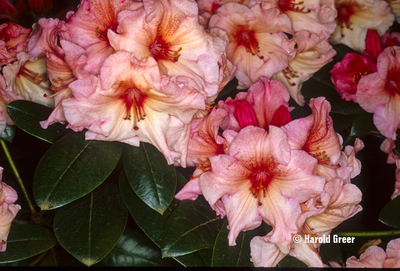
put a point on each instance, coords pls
(259, 44)
(371, 80)
(266, 167)
(128, 83)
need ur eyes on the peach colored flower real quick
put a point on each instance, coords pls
(257, 45)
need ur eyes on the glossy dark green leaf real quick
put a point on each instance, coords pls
(233, 256)
(363, 125)
(134, 248)
(90, 227)
(290, 261)
(341, 122)
(152, 179)
(8, 133)
(201, 258)
(25, 241)
(27, 115)
(71, 168)
(331, 252)
(390, 213)
(150, 221)
(190, 227)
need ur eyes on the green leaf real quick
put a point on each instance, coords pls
(71, 168)
(134, 248)
(390, 213)
(8, 133)
(27, 115)
(363, 125)
(201, 258)
(150, 176)
(290, 261)
(190, 227)
(91, 226)
(233, 256)
(331, 252)
(341, 122)
(150, 221)
(25, 241)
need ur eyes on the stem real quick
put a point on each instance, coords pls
(369, 233)
(21, 184)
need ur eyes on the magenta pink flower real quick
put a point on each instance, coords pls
(347, 73)
(257, 43)
(378, 92)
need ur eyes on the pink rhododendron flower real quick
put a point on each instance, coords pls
(205, 140)
(64, 64)
(27, 78)
(207, 8)
(132, 102)
(391, 39)
(378, 92)
(8, 210)
(315, 135)
(88, 28)
(355, 17)
(257, 45)
(170, 32)
(260, 178)
(376, 257)
(264, 104)
(339, 203)
(14, 39)
(6, 97)
(317, 17)
(313, 52)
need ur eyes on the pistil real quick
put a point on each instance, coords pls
(134, 101)
(249, 41)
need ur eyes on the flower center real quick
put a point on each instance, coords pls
(32, 76)
(259, 183)
(102, 34)
(290, 5)
(4, 35)
(249, 41)
(134, 101)
(323, 158)
(345, 11)
(161, 50)
(290, 73)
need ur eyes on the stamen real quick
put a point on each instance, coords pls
(290, 5)
(134, 101)
(32, 76)
(204, 166)
(248, 40)
(289, 73)
(160, 50)
(323, 159)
